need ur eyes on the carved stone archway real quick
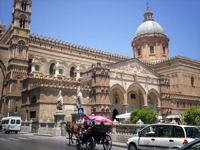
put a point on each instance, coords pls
(136, 97)
(153, 99)
(117, 99)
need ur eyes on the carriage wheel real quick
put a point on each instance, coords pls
(91, 144)
(107, 142)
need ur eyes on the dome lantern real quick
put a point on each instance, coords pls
(148, 15)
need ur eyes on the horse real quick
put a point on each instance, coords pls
(72, 129)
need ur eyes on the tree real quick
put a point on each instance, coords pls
(192, 116)
(147, 115)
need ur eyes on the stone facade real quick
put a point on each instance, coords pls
(35, 68)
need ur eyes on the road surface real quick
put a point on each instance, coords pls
(36, 142)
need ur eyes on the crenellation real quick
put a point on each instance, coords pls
(70, 46)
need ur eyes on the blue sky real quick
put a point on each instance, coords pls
(110, 25)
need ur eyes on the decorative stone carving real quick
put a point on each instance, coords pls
(131, 68)
(60, 101)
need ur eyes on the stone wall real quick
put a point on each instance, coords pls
(120, 132)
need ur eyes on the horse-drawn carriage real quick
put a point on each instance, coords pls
(96, 134)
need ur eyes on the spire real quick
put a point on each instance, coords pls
(148, 15)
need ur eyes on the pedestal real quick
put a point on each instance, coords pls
(59, 117)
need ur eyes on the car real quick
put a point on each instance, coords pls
(11, 124)
(194, 145)
(163, 136)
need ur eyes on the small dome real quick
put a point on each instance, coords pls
(149, 26)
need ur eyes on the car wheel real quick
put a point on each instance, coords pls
(132, 147)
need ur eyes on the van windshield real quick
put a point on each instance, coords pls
(192, 132)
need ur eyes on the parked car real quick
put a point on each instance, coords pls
(163, 136)
(11, 124)
(194, 145)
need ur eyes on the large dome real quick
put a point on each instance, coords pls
(149, 26)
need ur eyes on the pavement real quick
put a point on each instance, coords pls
(118, 144)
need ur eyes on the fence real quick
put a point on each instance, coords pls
(119, 133)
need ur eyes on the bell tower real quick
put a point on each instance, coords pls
(18, 53)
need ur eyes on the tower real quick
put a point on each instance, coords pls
(150, 42)
(18, 54)
(100, 90)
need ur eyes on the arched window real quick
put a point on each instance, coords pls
(151, 49)
(133, 96)
(37, 68)
(163, 50)
(33, 100)
(192, 81)
(29, 66)
(60, 71)
(22, 23)
(116, 98)
(23, 6)
(52, 69)
(139, 52)
(72, 73)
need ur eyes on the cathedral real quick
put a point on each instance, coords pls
(42, 79)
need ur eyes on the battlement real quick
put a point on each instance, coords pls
(77, 48)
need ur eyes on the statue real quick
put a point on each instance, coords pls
(60, 101)
(78, 74)
(78, 97)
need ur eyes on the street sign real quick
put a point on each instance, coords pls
(80, 110)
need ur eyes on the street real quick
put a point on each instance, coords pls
(36, 142)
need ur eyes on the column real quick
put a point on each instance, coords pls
(125, 102)
(145, 101)
(125, 99)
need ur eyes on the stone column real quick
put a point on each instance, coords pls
(125, 99)
(125, 102)
(159, 102)
(145, 101)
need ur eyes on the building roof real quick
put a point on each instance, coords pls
(149, 26)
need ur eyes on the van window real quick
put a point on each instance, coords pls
(164, 131)
(5, 121)
(192, 132)
(17, 121)
(12, 121)
(149, 132)
(178, 132)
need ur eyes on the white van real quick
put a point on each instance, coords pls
(11, 124)
(163, 137)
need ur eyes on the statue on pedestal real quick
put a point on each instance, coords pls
(59, 101)
(78, 97)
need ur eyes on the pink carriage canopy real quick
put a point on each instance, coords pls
(99, 119)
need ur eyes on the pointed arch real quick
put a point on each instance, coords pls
(119, 87)
(153, 91)
(138, 86)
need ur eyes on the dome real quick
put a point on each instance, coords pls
(149, 26)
